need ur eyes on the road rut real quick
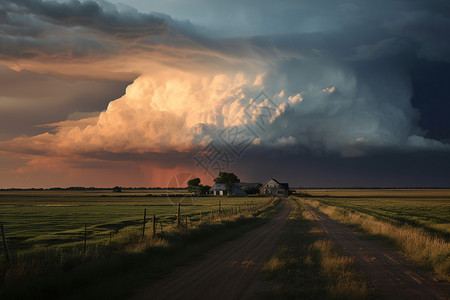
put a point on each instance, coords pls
(395, 277)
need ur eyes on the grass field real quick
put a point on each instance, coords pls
(390, 193)
(416, 221)
(305, 263)
(41, 219)
(57, 267)
(428, 209)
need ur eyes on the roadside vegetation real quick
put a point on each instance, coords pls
(429, 211)
(308, 265)
(428, 249)
(127, 260)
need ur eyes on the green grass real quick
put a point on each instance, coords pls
(113, 271)
(307, 265)
(428, 212)
(42, 219)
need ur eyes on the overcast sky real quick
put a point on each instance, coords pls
(314, 93)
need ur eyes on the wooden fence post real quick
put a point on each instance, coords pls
(186, 222)
(154, 224)
(5, 245)
(220, 207)
(179, 214)
(143, 225)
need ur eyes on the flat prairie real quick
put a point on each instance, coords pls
(41, 219)
(425, 208)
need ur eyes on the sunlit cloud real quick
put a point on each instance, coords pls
(340, 84)
(181, 113)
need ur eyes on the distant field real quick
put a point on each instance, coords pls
(392, 193)
(426, 208)
(36, 219)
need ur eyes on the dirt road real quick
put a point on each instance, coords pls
(227, 272)
(394, 276)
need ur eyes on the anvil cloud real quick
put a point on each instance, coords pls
(347, 81)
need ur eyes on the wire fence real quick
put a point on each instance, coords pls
(94, 238)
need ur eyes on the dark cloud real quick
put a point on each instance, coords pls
(28, 99)
(66, 31)
(430, 82)
(373, 77)
(99, 15)
(420, 169)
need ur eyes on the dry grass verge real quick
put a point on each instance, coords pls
(308, 265)
(423, 248)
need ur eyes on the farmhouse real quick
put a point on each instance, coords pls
(275, 188)
(220, 189)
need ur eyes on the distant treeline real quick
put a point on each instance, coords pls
(81, 188)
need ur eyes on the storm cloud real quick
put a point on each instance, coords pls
(346, 79)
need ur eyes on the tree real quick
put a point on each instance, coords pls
(194, 186)
(204, 189)
(254, 189)
(194, 182)
(228, 179)
(117, 189)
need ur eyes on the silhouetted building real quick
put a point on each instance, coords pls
(274, 188)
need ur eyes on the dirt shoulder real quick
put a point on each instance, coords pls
(227, 272)
(394, 276)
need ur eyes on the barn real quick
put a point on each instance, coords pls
(219, 189)
(274, 188)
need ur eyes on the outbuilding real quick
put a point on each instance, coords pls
(220, 189)
(274, 188)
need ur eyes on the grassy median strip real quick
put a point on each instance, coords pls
(425, 248)
(307, 265)
(132, 262)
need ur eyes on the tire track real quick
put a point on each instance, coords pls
(394, 276)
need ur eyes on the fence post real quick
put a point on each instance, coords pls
(154, 224)
(5, 245)
(186, 222)
(220, 207)
(85, 238)
(143, 225)
(179, 214)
